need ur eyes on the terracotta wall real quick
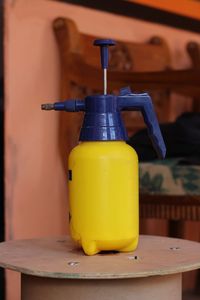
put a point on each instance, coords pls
(36, 201)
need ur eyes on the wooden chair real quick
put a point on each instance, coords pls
(143, 67)
(81, 75)
(177, 209)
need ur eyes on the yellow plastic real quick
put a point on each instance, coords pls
(103, 190)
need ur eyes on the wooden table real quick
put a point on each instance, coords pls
(55, 269)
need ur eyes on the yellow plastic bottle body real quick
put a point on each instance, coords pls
(103, 190)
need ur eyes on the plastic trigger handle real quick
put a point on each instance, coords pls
(143, 103)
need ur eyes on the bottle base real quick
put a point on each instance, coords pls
(93, 247)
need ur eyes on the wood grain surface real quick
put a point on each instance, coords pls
(59, 257)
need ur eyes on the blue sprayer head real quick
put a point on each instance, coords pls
(102, 120)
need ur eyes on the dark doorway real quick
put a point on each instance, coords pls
(2, 279)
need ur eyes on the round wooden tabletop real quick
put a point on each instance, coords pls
(60, 258)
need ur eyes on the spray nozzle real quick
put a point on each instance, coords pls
(104, 44)
(47, 106)
(69, 105)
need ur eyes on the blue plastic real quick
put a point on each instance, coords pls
(104, 44)
(70, 105)
(143, 103)
(102, 120)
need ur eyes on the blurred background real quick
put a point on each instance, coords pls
(42, 43)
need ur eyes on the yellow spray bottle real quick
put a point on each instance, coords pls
(103, 169)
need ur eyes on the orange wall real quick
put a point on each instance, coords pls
(181, 7)
(36, 203)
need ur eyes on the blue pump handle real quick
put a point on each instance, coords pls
(143, 103)
(104, 44)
